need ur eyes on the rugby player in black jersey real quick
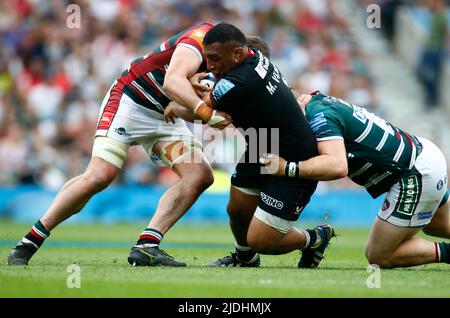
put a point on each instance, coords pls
(263, 209)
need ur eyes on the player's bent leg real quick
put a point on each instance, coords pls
(269, 234)
(240, 209)
(108, 156)
(394, 246)
(72, 197)
(410, 206)
(318, 241)
(272, 239)
(195, 177)
(440, 223)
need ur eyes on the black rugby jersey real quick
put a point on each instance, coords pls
(257, 96)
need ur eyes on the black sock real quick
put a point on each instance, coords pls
(244, 253)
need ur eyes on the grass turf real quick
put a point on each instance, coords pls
(101, 252)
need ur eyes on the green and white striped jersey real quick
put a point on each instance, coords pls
(378, 153)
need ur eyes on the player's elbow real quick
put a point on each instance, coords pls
(170, 84)
(173, 83)
(340, 169)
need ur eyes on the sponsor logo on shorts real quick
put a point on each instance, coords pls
(122, 131)
(409, 195)
(105, 120)
(277, 204)
(155, 158)
(440, 185)
(298, 209)
(424, 215)
(386, 205)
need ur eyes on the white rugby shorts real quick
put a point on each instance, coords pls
(123, 120)
(414, 199)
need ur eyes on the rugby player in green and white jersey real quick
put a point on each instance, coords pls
(384, 159)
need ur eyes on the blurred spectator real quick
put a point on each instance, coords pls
(434, 53)
(13, 154)
(388, 11)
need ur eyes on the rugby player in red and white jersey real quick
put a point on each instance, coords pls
(132, 113)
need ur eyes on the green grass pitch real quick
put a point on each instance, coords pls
(101, 252)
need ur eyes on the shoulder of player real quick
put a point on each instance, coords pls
(239, 76)
(196, 32)
(194, 35)
(317, 106)
(227, 84)
(316, 111)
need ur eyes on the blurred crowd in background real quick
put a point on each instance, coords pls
(53, 78)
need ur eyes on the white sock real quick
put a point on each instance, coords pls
(242, 248)
(308, 237)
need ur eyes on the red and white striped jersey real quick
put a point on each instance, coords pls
(143, 80)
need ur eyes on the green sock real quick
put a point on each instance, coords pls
(444, 252)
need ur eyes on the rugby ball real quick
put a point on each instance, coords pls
(208, 81)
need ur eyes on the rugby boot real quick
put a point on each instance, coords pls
(233, 261)
(151, 256)
(21, 254)
(313, 255)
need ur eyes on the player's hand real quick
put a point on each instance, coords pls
(273, 164)
(169, 113)
(199, 89)
(220, 120)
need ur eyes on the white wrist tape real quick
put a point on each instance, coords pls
(292, 169)
(215, 119)
(197, 107)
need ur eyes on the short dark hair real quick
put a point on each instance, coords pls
(258, 43)
(224, 33)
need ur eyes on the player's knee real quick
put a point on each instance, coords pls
(374, 258)
(260, 243)
(205, 177)
(257, 243)
(201, 178)
(98, 179)
(233, 210)
(381, 261)
(236, 210)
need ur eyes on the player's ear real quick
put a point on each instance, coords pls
(238, 54)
